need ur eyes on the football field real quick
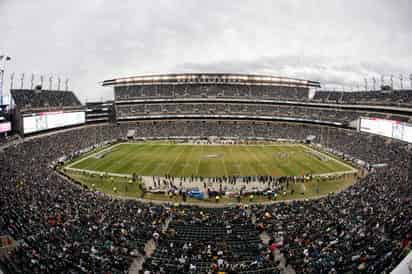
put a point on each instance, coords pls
(161, 158)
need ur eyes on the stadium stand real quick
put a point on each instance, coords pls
(38, 102)
(210, 91)
(136, 111)
(63, 228)
(99, 112)
(167, 96)
(32, 99)
(384, 98)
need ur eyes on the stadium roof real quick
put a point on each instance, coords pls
(211, 78)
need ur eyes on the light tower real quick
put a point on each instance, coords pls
(4, 59)
(391, 78)
(22, 81)
(410, 79)
(50, 82)
(401, 80)
(66, 83)
(11, 81)
(32, 81)
(366, 83)
(382, 80)
(374, 83)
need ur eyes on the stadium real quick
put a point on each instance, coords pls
(205, 137)
(207, 173)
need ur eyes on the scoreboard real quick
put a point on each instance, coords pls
(389, 128)
(50, 120)
(5, 127)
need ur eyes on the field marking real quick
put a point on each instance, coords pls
(146, 164)
(191, 144)
(277, 167)
(198, 162)
(332, 159)
(93, 155)
(174, 162)
(238, 163)
(249, 165)
(256, 158)
(188, 163)
(98, 172)
(224, 165)
(351, 171)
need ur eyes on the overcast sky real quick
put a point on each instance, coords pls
(336, 42)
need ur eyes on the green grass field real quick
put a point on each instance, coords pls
(160, 158)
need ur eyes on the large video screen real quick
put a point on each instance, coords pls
(377, 126)
(389, 128)
(49, 120)
(5, 126)
(407, 133)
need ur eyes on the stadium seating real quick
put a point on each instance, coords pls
(210, 91)
(134, 111)
(61, 227)
(32, 99)
(385, 98)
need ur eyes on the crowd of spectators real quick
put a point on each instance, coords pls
(202, 240)
(262, 92)
(263, 100)
(389, 98)
(210, 91)
(41, 99)
(134, 111)
(61, 227)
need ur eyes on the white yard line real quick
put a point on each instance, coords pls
(174, 162)
(93, 155)
(188, 164)
(98, 172)
(256, 158)
(332, 159)
(146, 164)
(69, 167)
(200, 158)
(224, 165)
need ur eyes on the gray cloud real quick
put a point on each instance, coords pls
(336, 42)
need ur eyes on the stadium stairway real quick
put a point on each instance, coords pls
(137, 264)
(149, 249)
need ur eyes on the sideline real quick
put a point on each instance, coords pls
(197, 204)
(69, 166)
(352, 169)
